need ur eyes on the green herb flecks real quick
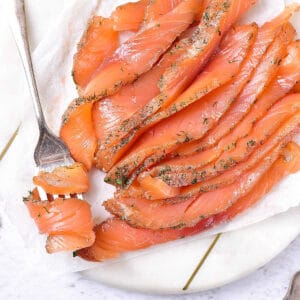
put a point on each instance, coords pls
(251, 143)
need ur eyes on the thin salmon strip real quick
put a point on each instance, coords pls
(263, 75)
(155, 188)
(71, 242)
(224, 162)
(235, 41)
(218, 16)
(221, 98)
(68, 222)
(78, 132)
(114, 236)
(110, 113)
(288, 75)
(88, 58)
(287, 164)
(225, 95)
(99, 41)
(63, 180)
(270, 149)
(161, 214)
(140, 190)
(275, 91)
(229, 59)
(279, 119)
(129, 16)
(168, 134)
(157, 8)
(138, 54)
(216, 20)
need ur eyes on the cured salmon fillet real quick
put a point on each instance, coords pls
(99, 41)
(110, 113)
(165, 214)
(148, 191)
(114, 236)
(166, 135)
(63, 180)
(288, 75)
(138, 54)
(129, 16)
(273, 126)
(262, 76)
(78, 132)
(68, 222)
(217, 15)
(276, 141)
(157, 8)
(227, 93)
(199, 35)
(216, 20)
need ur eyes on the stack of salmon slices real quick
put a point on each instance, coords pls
(193, 119)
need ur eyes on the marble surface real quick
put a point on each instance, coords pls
(270, 282)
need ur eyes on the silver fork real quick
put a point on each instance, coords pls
(50, 151)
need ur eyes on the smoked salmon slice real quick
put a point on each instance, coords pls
(279, 119)
(129, 16)
(63, 180)
(141, 190)
(163, 137)
(68, 222)
(157, 8)
(99, 41)
(199, 36)
(216, 20)
(138, 54)
(218, 15)
(271, 148)
(262, 76)
(78, 132)
(114, 236)
(110, 113)
(223, 96)
(166, 214)
(289, 74)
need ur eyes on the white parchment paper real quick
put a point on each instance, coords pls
(53, 63)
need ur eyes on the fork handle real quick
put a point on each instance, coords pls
(18, 26)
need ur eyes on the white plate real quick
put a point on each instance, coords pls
(165, 269)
